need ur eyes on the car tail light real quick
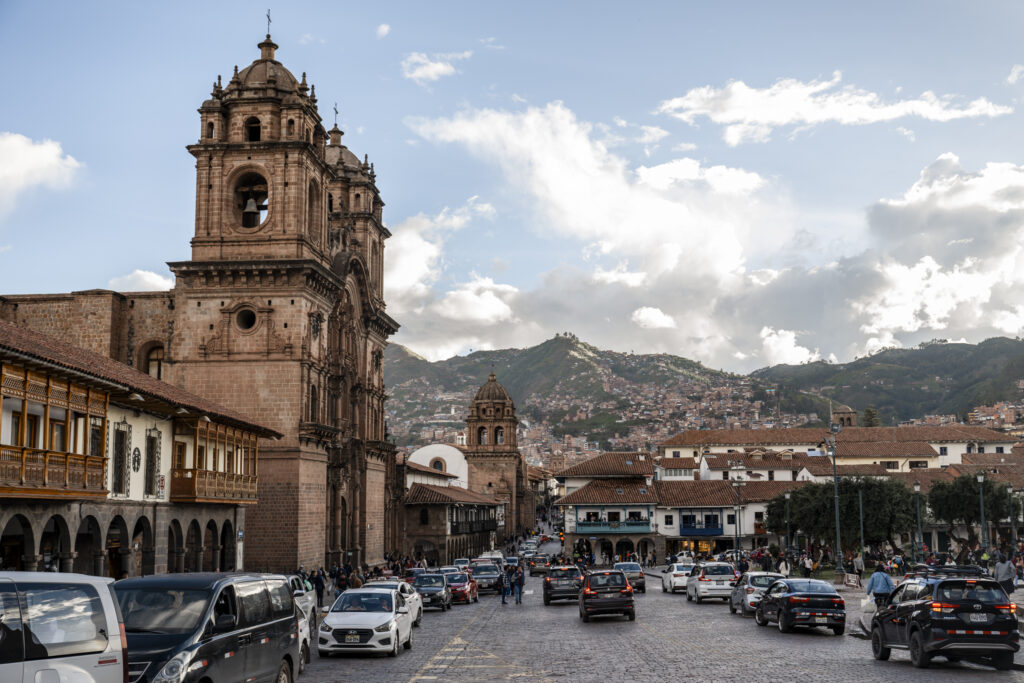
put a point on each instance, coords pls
(751, 591)
(1007, 609)
(627, 589)
(547, 578)
(943, 607)
(839, 602)
(794, 598)
(703, 578)
(678, 576)
(589, 591)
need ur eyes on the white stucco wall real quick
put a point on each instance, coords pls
(454, 461)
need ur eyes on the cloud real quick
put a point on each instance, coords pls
(1016, 73)
(26, 164)
(383, 30)
(141, 281)
(684, 147)
(751, 114)
(907, 133)
(779, 346)
(481, 301)
(652, 318)
(491, 43)
(307, 38)
(423, 69)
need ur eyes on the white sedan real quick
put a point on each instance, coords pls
(366, 620)
(412, 598)
(674, 577)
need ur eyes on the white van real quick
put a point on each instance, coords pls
(60, 628)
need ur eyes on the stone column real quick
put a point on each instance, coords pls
(98, 561)
(31, 562)
(179, 561)
(198, 560)
(215, 555)
(67, 561)
(148, 557)
(127, 561)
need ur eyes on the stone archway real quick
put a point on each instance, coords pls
(423, 548)
(118, 547)
(89, 555)
(17, 545)
(227, 547)
(211, 548)
(194, 548)
(604, 551)
(143, 547)
(623, 547)
(55, 546)
(644, 547)
(175, 548)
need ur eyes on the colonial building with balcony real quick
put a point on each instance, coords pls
(106, 470)
(443, 523)
(612, 517)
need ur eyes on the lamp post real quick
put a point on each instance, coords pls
(831, 441)
(789, 539)
(736, 466)
(1013, 520)
(860, 502)
(917, 496)
(981, 495)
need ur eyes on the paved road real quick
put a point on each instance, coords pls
(670, 640)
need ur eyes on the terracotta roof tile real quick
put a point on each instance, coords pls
(614, 464)
(611, 492)
(678, 463)
(812, 436)
(766, 460)
(881, 449)
(872, 470)
(740, 437)
(429, 494)
(719, 492)
(928, 433)
(416, 467)
(927, 477)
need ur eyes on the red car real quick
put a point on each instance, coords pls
(464, 588)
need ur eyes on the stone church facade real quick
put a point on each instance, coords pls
(278, 315)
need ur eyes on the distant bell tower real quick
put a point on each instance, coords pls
(491, 425)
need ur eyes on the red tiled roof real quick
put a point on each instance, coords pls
(740, 437)
(929, 433)
(429, 494)
(719, 492)
(872, 470)
(818, 466)
(882, 449)
(611, 492)
(927, 477)
(766, 460)
(678, 463)
(994, 459)
(812, 436)
(415, 466)
(612, 465)
(26, 342)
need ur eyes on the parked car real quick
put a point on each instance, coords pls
(304, 598)
(304, 640)
(562, 583)
(951, 612)
(464, 587)
(634, 573)
(748, 589)
(62, 627)
(606, 592)
(434, 590)
(461, 563)
(449, 569)
(366, 620)
(488, 578)
(412, 573)
(802, 602)
(218, 627)
(710, 580)
(539, 564)
(674, 577)
(412, 598)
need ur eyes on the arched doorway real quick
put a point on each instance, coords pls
(605, 551)
(211, 554)
(55, 545)
(425, 549)
(643, 548)
(175, 548)
(118, 547)
(194, 548)
(89, 556)
(623, 547)
(227, 547)
(16, 543)
(143, 547)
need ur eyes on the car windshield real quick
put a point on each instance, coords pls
(161, 610)
(718, 570)
(762, 581)
(485, 570)
(362, 602)
(388, 585)
(810, 587)
(564, 573)
(615, 580)
(458, 578)
(429, 580)
(628, 567)
(958, 591)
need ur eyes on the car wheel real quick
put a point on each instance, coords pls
(839, 630)
(759, 617)
(784, 624)
(394, 647)
(1003, 661)
(632, 616)
(303, 658)
(419, 618)
(408, 641)
(284, 674)
(644, 590)
(918, 657)
(688, 598)
(878, 648)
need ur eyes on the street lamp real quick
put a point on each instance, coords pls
(917, 496)
(789, 539)
(860, 503)
(981, 494)
(736, 466)
(1013, 520)
(831, 442)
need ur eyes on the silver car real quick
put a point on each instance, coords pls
(748, 589)
(710, 580)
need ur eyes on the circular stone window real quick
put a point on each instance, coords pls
(246, 319)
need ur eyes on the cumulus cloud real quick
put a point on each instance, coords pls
(491, 43)
(780, 346)
(1016, 73)
(26, 164)
(383, 30)
(751, 114)
(481, 300)
(652, 318)
(424, 69)
(141, 281)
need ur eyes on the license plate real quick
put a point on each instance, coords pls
(719, 583)
(352, 639)
(820, 620)
(563, 582)
(979, 618)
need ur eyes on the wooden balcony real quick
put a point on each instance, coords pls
(33, 473)
(760, 528)
(204, 486)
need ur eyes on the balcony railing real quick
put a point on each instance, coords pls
(473, 527)
(700, 529)
(760, 528)
(33, 473)
(205, 486)
(626, 526)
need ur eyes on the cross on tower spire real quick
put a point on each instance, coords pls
(268, 21)
(335, 113)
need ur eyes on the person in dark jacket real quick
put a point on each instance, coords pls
(506, 583)
(518, 579)
(318, 585)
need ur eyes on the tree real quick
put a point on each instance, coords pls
(958, 502)
(871, 418)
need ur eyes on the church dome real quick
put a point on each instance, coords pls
(266, 68)
(492, 391)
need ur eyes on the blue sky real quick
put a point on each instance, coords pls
(744, 184)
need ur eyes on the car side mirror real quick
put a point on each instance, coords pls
(224, 623)
(299, 593)
(403, 610)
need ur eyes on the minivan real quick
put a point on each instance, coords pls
(210, 626)
(60, 627)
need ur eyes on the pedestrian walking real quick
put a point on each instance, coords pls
(506, 584)
(517, 582)
(783, 565)
(858, 567)
(318, 585)
(1005, 573)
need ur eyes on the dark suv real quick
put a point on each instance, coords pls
(562, 583)
(606, 592)
(954, 612)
